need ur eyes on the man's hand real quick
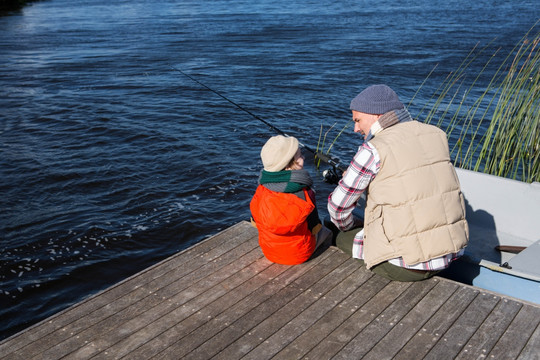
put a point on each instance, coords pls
(358, 222)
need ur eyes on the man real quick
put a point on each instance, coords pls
(414, 222)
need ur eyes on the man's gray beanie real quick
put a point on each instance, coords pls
(376, 99)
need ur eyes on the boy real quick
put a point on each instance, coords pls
(283, 208)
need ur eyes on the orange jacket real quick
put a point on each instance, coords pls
(281, 219)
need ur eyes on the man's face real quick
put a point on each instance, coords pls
(363, 122)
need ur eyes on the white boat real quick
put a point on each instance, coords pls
(502, 213)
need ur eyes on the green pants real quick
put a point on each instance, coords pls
(344, 241)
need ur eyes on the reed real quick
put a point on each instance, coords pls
(498, 132)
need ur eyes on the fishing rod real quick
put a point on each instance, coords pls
(331, 176)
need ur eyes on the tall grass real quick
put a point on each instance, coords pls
(498, 131)
(322, 140)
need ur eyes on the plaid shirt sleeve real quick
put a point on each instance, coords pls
(361, 171)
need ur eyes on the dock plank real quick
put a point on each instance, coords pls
(280, 293)
(520, 332)
(364, 341)
(410, 324)
(180, 328)
(531, 350)
(135, 313)
(306, 297)
(327, 324)
(424, 340)
(222, 299)
(454, 340)
(159, 319)
(483, 340)
(69, 322)
(255, 307)
(358, 320)
(297, 325)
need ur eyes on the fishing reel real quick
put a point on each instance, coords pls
(332, 175)
(335, 173)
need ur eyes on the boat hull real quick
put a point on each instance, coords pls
(490, 277)
(503, 212)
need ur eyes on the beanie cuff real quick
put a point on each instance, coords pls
(377, 108)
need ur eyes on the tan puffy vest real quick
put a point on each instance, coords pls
(415, 208)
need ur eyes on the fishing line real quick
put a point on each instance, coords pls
(334, 162)
(240, 107)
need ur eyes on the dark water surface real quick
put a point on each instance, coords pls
(111, 161)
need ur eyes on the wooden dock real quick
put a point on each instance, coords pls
(222, 299)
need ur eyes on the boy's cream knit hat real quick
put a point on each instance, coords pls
(278, 152)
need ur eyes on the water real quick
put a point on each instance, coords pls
(111, 161)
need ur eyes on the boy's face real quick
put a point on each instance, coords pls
(298, 160)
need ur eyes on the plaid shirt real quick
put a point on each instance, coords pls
(342, 201)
